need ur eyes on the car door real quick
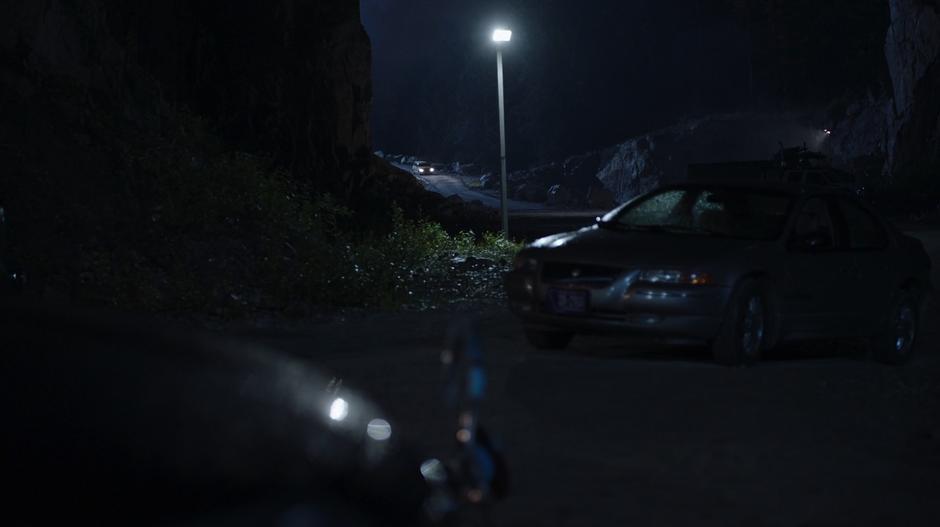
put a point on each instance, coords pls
(869, 243)
(817, 287)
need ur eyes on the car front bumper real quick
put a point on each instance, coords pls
(623, 307)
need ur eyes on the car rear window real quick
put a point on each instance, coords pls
(726, 212)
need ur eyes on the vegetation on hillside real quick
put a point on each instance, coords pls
(187, 225)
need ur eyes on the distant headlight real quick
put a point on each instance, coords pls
(525, 263)
(431, 169)
(421, 170)
(665, 276)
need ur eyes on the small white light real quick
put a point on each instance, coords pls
(431, 169)
(433, 470)
(379, 429)
(828, 131)
(339, 409)
(502, 35)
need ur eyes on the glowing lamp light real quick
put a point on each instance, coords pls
(339, 409)
(502, 35)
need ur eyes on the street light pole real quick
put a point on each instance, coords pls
(500, 37)
(504, 203)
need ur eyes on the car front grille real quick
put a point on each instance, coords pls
(572, 273)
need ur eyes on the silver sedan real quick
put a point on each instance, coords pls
(742, 267)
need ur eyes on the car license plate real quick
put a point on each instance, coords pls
(568, 301)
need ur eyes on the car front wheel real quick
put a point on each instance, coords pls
(547, 339)
(743, 333)
(895, 344)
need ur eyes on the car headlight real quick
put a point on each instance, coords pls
(525, 264)
(421, 170)
(671, 276)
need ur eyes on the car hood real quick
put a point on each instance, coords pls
(596, 245)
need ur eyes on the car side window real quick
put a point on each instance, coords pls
(863, 229)
(814, 225)
(655, 210)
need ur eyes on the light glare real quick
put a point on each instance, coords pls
(339, 409)
(433, 470)
(379, 429)
(502, 35)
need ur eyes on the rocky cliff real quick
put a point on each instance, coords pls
(912, 49)
(662, 156)
(290, 78)
(888, 140)
(166, 155)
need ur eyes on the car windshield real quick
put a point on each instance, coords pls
(726, 212)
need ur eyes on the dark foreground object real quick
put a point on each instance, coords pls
(744, 267)
(108, 421)
(113, 422)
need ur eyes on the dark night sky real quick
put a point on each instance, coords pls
(584, 75)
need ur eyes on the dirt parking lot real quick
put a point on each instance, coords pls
(632, 432)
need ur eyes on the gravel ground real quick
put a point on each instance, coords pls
(632, 432)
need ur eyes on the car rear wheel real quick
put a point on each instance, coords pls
(547, 339)
(743, 334)
(895, 344)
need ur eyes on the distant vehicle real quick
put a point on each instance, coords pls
(742, 266)
(490, 182)
(422, 167)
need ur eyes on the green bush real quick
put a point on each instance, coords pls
(239, 235)
(386, 269)
(182, 224)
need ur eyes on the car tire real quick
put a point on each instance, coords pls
(897, 341)
(743, 335)
(547, 339)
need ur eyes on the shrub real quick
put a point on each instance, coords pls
(182, 224)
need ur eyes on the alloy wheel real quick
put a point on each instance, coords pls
(905, 329)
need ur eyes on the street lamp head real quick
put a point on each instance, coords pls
(502, 35)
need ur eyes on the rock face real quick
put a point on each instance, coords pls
(882, 139)
(861, 132)
(288, 77)
(164, 155)
(639, 164)
(912, 49)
